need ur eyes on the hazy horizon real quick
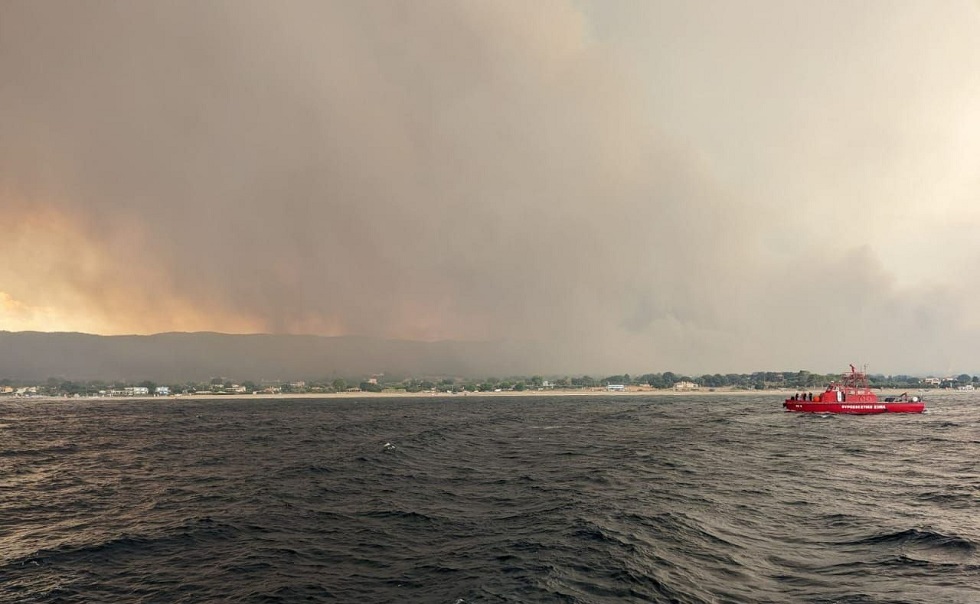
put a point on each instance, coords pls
(68, 358)
(694, 187)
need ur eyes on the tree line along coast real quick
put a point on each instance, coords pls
(757, 381)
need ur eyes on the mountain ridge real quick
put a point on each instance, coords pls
(184, 356)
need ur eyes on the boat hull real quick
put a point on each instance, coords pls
(855, 408)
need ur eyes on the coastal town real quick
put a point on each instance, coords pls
(380, 383)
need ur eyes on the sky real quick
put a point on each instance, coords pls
(700, 187)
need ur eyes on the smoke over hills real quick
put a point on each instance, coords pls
(628, 186)
(178, 357)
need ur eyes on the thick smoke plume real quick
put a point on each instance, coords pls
(694, 187)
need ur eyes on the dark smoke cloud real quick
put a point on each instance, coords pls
(428, 170)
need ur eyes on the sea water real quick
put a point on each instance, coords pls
(607, 498)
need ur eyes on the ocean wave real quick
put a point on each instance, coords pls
(916, 537)
(55, 449)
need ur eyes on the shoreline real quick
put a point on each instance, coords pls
(782, 394)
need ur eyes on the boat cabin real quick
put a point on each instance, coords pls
(851, 388)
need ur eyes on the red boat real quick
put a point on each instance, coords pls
(852, 395)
